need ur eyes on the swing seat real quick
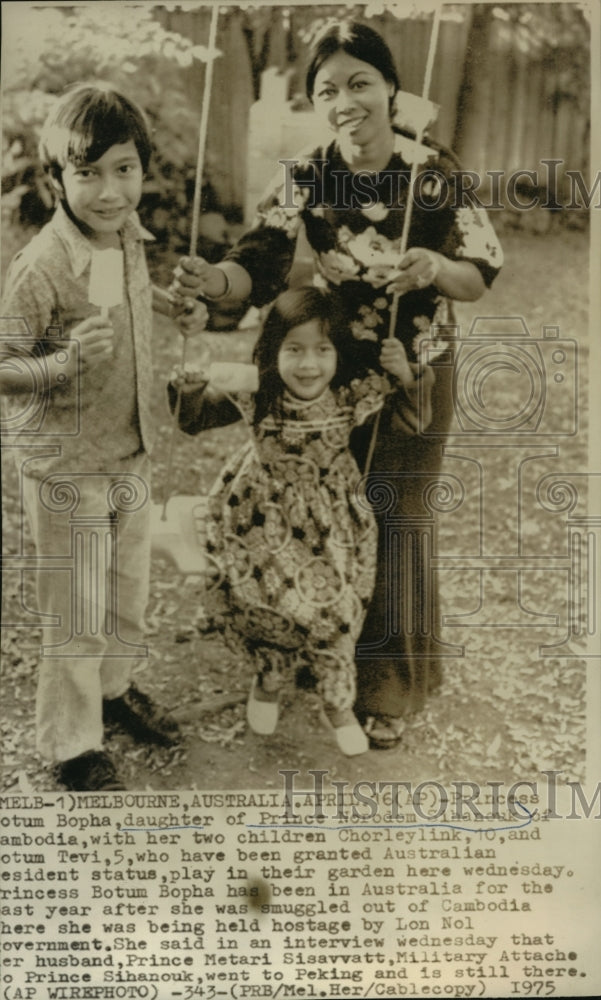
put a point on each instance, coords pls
(180, 536)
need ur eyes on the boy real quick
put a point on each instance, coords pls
(78, 387)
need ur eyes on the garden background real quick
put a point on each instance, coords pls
(513, 87)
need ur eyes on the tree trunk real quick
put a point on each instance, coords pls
(471, 124)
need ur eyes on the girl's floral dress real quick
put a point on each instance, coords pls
(291, 540)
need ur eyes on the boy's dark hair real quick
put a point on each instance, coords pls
(87, 120)
(293, 308)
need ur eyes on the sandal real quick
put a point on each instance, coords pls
(262, 712)
(384, 732)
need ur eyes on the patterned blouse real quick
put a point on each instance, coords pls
(353, 224)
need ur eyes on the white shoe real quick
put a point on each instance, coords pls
(262, 716)
(351, 739)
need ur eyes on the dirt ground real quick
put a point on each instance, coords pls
(503, 712)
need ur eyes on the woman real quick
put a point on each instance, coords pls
(351, 196)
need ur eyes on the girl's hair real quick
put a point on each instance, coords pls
(293, 308)
(87, 120)
(357, 40)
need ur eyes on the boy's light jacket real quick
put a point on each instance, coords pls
(96, 422)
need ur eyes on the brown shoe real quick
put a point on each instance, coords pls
(137, 714)
(92, 771)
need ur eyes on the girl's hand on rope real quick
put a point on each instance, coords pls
(188, 378)
(393, 359)
(194, 276)
(190, 315)
(420, 269)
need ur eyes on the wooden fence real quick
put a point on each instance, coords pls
(521, 112)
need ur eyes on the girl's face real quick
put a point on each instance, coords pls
(353, 97)
(307, 360)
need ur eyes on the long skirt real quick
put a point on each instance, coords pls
(398, 654)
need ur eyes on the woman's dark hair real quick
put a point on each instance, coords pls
(293, 308)
(357, 40)
(86, 121)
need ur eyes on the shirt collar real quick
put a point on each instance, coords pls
(79, 247)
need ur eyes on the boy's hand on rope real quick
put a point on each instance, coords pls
(189, 378)
(420, 268)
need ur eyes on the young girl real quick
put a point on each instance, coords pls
(292, 540)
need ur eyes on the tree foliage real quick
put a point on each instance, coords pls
(559, 33)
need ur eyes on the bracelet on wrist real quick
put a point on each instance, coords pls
(224, 293)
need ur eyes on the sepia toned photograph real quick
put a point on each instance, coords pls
(300, 499)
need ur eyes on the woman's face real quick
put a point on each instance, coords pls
(354, 98)
(307, 360)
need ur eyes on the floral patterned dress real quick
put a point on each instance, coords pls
(353, 224)
(291, 539)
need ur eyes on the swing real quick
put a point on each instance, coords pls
(178, 525)
(180, 535)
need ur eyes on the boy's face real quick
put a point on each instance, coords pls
(102, 194)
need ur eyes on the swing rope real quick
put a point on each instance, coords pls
(394, 308)
(202, 143)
